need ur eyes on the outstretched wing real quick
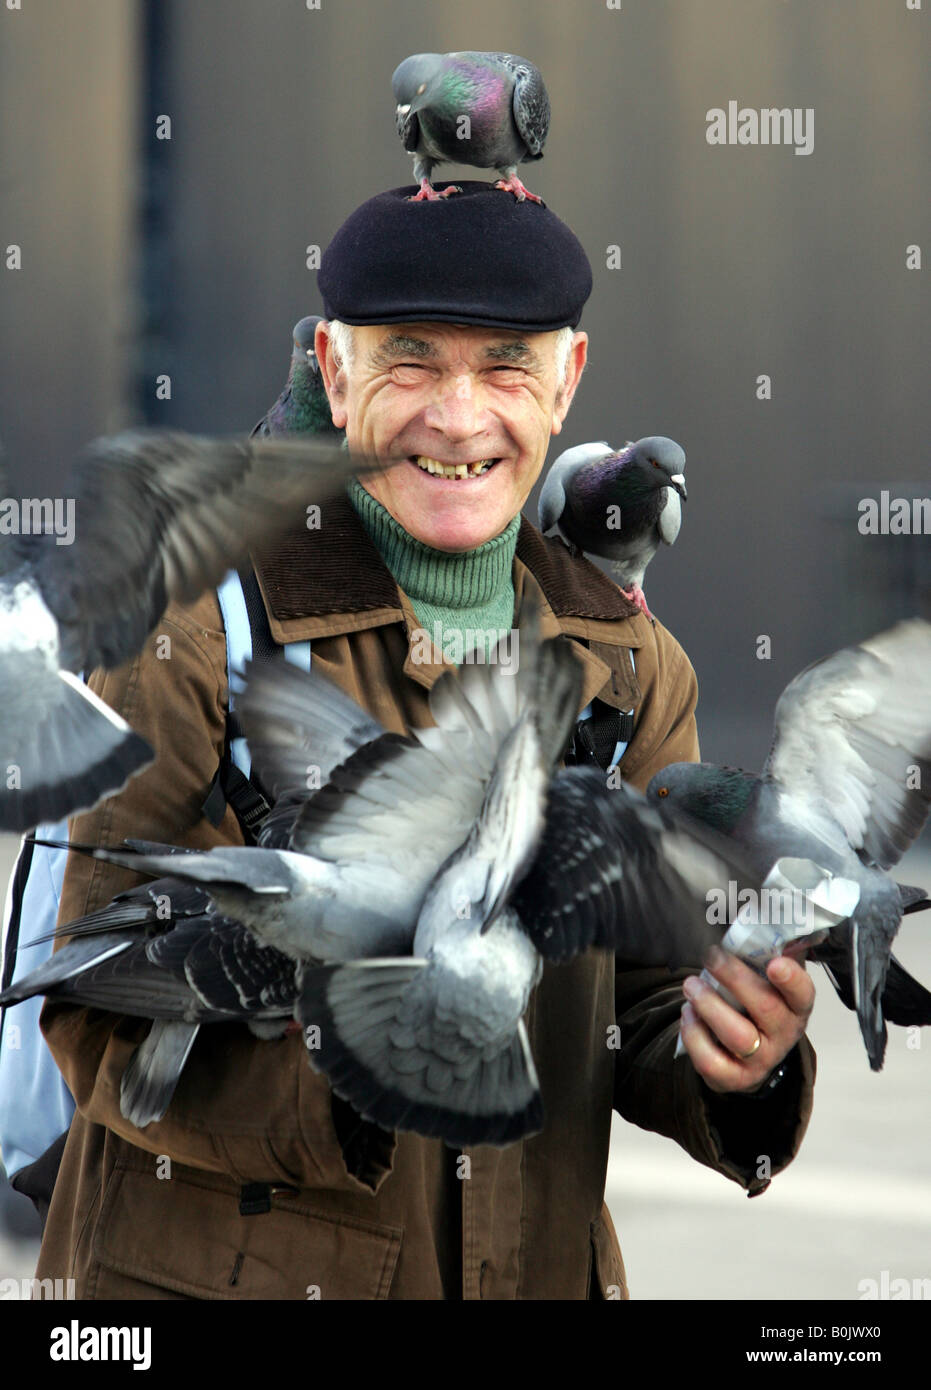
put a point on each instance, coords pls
(163, 516)
(616, 872)
(853, 736)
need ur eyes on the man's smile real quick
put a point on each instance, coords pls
(452, 472)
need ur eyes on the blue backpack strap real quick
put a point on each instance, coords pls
(248, 637)
(35, 1104)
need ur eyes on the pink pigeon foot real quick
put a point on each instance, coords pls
(428, 194)
(637, 596)
(512, 184)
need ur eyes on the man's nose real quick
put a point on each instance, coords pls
(457, 407)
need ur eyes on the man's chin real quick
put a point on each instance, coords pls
(448, 514)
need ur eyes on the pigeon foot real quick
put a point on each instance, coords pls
(637, 596)
(512, 184)
(428, 194)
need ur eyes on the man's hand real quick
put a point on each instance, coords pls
(731, 1052)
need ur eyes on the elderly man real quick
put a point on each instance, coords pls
(449, 346)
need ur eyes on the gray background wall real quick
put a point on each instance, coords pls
(736, 261)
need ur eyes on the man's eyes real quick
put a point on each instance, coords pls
(517, 373)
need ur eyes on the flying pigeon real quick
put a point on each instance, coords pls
(303, 406)
(846, 787)
(157, 517)
(490, 110)
(437, 1043)
(618, 504)
(161, 951)
(412, 844)
(363, 852)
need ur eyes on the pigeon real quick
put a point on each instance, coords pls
(411, 844)
(490, 110)
(157, 517)
(160, 951)
(619, 504)
(847, 788)
(352, 890)
(362, 849)
(303, 406)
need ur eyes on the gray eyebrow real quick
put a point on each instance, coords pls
(398, 345)
(514, 352)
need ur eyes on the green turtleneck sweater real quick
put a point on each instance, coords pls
(464, 599)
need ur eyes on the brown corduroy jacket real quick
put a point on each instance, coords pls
(244, 1189)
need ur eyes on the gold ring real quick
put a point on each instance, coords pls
(744, 1056)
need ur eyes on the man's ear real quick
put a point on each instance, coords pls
(334, 377)
(578, 355)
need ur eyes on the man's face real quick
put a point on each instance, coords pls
(451, 395)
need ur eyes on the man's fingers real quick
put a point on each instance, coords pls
(717, 1068)
(794, 984)
(738, 1034)
(755, 993)
(736, 1052)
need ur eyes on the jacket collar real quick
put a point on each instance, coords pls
(332, 580)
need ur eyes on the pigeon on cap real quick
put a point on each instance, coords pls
(490, 110)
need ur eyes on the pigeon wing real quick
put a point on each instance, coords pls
(299, 726)
(852, 739)
(552, 500)
(670, 517)
(616, 872)
(392, 812)
(162, 516)
(530, 104)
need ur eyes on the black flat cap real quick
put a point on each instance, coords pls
(478, 257)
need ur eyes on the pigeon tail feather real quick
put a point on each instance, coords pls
(420, 1079)
(154, 1069)
(67, 763)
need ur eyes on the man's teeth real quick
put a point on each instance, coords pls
(450, 470)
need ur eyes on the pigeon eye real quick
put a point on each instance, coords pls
(662, 791)
(655, 464)
(421, 89)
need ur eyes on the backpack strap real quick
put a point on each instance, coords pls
(248, 637)
(601, 734)
(35, 1104)
(14, 910)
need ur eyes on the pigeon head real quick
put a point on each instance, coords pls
(304, 332)
(653, 463)
(413, 78)
(718, 796)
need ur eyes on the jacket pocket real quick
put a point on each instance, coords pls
(609, 1279)
(184, 1236)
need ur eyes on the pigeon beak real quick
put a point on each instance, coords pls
(678, 482)
(403, 110)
